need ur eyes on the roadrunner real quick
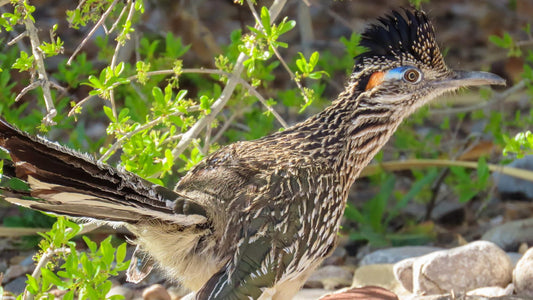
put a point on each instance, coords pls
(255, 218)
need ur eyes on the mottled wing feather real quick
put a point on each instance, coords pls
(276, 235)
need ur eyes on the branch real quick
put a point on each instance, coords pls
(145, 126)
(276, 52)
(496, 98)
(93, 30)
(45, 258)
(425, 163)
(41, 71)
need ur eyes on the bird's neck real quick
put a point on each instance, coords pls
(350, 132)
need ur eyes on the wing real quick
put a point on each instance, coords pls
(277, 233)
(58, 180)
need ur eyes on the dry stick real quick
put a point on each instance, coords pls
(232, 82)
(114, 63)
(45, 258)
(17, 38)
(494, 100)
(114, 26)
(241, 81)
(276, 52)
(41, 71)
(225, 126)
(93, 30)
(424, 163)
(152, 123)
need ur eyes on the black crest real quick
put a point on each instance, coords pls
(397, 37)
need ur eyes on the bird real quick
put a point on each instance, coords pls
(255, 218)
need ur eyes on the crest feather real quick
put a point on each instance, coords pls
(402, 36)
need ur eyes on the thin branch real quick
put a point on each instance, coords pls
(225, 126)
(114, 63)
(426, 163)
(496, 98)
(145, 126)
(79, 104)
(28, 88)
(93, 30)
(17, 38)
(45, 258)
(41, 71)
(114, 26)
(276, 52)
(241, 81)
(232, 82)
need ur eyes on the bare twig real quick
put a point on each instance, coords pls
(17, 38)
(496, 98)
(241, 81)
(45, 258)
(114, 26)
(145, 126)
(41, 71)
(93, 30)
(28, 88)
(232, 82)
(225, 126)
(276, 52)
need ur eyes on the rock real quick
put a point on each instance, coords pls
(510, 235)
(403, 272)
(16, 286)
(492, 291)
(367, 292)
(121, 290)
(462, 269)
(512, 186)
(377, 275)
(156, 292)
(338, 257)
(515, 257)
(330, 277)
(15, 271)
(306, 294)
(394, 255)
(523, 275)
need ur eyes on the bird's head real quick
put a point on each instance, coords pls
(403, 66)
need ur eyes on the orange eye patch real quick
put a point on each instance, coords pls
(375, 80)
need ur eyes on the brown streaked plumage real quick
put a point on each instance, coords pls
(255, 218)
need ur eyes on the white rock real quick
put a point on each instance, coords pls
(492, 291)
(396, 254)
(330, 277)
(403, 272)
(475, 265)
(511, 234)
(523, 275)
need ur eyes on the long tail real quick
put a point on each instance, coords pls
(46, 176)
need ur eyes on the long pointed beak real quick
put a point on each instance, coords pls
(465, 79)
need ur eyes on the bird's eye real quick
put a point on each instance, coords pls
(412, 75)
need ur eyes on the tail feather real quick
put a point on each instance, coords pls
(66, 182)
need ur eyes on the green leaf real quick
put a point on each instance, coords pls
(265, 20)
(109, 113)
(286, 26)
(32, 285)
(92, 245)
(49, 278)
